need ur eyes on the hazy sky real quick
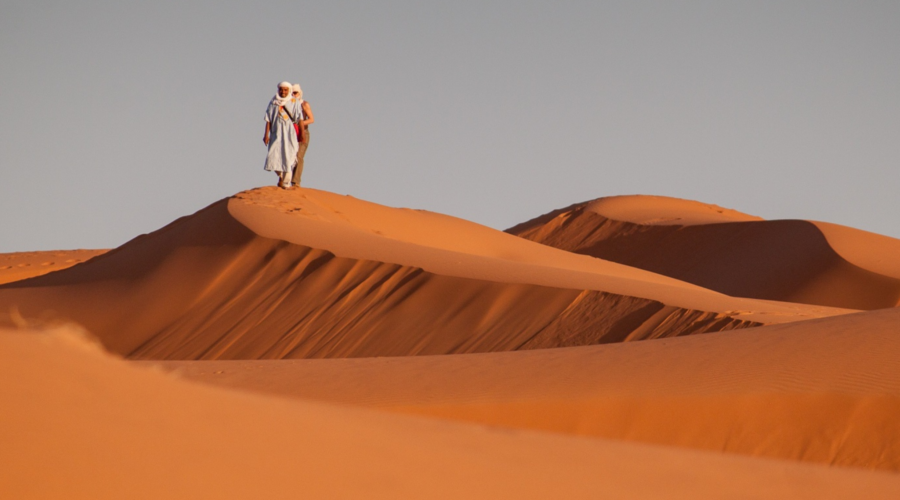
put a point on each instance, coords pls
(118, 117)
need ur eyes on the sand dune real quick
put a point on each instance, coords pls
(730, 252)
(89, 426)
(270, 274)
(22, 265)
(825, 391)
(529, 404)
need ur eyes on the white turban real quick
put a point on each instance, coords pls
(298, 90)
(282, 101)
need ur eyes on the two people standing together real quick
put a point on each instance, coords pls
(287, 134)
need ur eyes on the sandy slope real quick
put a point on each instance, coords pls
(734, 253)
(824, 390)
(21, 265)
(274, 274)
(89, 426)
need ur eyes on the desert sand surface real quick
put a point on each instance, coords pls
(458, 361)
(825, 391)
(22, 265)
(87, 425)
(724, 250)
(273, 274)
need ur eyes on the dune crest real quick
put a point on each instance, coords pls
(720, 249)
(209, 286)
(663, 211)
(270, 274)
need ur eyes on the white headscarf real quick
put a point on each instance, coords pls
(299, 91)
(281, 101)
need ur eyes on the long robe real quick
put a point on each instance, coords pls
(282, 156)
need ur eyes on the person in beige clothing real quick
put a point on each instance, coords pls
(302, 133)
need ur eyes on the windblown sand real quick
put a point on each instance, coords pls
(22, 265)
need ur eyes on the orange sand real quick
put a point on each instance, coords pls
(824, 391)
(736, 254)
(272, 274)
(21, 265)
(529, 404)
(85, 425)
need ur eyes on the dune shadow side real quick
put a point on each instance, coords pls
(784, 260)
(208, 287)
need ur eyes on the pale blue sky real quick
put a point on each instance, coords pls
(118, 117)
